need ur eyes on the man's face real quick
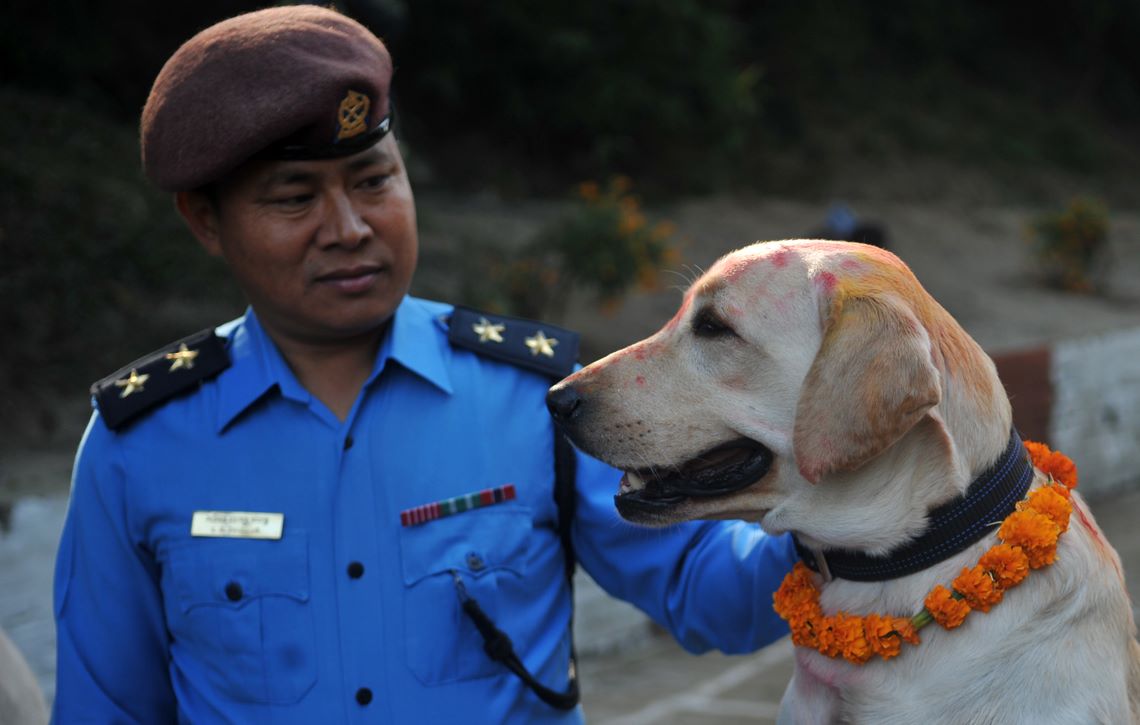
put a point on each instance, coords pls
(324, 250)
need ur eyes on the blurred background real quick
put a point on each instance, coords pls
(582, 162)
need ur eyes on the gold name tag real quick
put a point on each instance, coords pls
(237, 524)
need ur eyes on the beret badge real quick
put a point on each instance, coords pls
(352, 116)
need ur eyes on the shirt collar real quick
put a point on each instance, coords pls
(417, 340)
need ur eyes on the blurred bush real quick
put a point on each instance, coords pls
(92, 260)
(1069, 246)
(685, 95)
(580, 88)
(603, 246)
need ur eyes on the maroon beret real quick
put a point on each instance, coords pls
(299, 81)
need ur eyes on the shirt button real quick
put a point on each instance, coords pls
(364, 696)
(356, 570)
(233, 591)
(348, 442)
(475, 562)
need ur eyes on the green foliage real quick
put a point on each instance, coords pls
(1069, 245)
(585, 87)
(88, 252)
(603, 246)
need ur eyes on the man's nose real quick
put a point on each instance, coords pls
(344, 224)
(564, 403)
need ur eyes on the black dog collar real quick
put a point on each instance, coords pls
(953, 526)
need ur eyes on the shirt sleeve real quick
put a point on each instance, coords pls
(709, 583)
(112, 650)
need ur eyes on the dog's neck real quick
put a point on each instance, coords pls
(934, 464)
(950, 528)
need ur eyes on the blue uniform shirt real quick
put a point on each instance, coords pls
(349, 616)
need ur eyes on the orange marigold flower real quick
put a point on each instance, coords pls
(883, 635)
(828, 641)
(852, 639)
(945, 609)
(796, 590)
(1008, 564)
(1035, 533)
(1037, 451)
(805, 629)
(1050, 502)
(906, 630)
(1057, 465)
(977, 588)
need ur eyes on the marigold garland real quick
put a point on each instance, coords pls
(1028, 541)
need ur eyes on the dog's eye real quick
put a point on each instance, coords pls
(707, 324)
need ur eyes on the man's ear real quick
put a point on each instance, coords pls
(872, 380)
(200, 213)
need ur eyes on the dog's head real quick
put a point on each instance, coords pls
(790, 367)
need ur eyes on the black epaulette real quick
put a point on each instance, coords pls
(550, 350)
(156, 378)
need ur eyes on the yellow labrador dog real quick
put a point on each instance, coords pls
(815, 387)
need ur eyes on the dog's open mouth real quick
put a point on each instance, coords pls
(722, 470)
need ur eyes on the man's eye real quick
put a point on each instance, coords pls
(707, 324)
(295, 200)
(375, 182)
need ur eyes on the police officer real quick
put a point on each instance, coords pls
(340, 506)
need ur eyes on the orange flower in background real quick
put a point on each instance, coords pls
(1035, 533)
(945, 609)
(1007, 564)
(1050, 502)
(588, 190)
(620, 184)
(663, 230)
(1056, 465)
(977, 588)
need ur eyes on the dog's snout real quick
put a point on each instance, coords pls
(564, 402)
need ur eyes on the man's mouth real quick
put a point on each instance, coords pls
(717, 472)
(352, 279)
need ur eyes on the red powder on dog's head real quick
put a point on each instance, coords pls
(780, 258)
(734, 268)
(827, 281)
(640, 380)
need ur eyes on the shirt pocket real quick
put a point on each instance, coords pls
(488, 549)
(241, 616)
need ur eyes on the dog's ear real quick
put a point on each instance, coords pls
(872, 380)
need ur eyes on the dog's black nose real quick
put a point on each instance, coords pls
(564, 402)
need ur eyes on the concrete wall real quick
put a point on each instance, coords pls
(1082, 397)
(1096, 409)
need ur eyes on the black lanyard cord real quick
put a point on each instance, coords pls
(499, 647)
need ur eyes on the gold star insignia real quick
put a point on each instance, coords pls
(486, 331)
(183, 359)
(540, 343)
(132, 384)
